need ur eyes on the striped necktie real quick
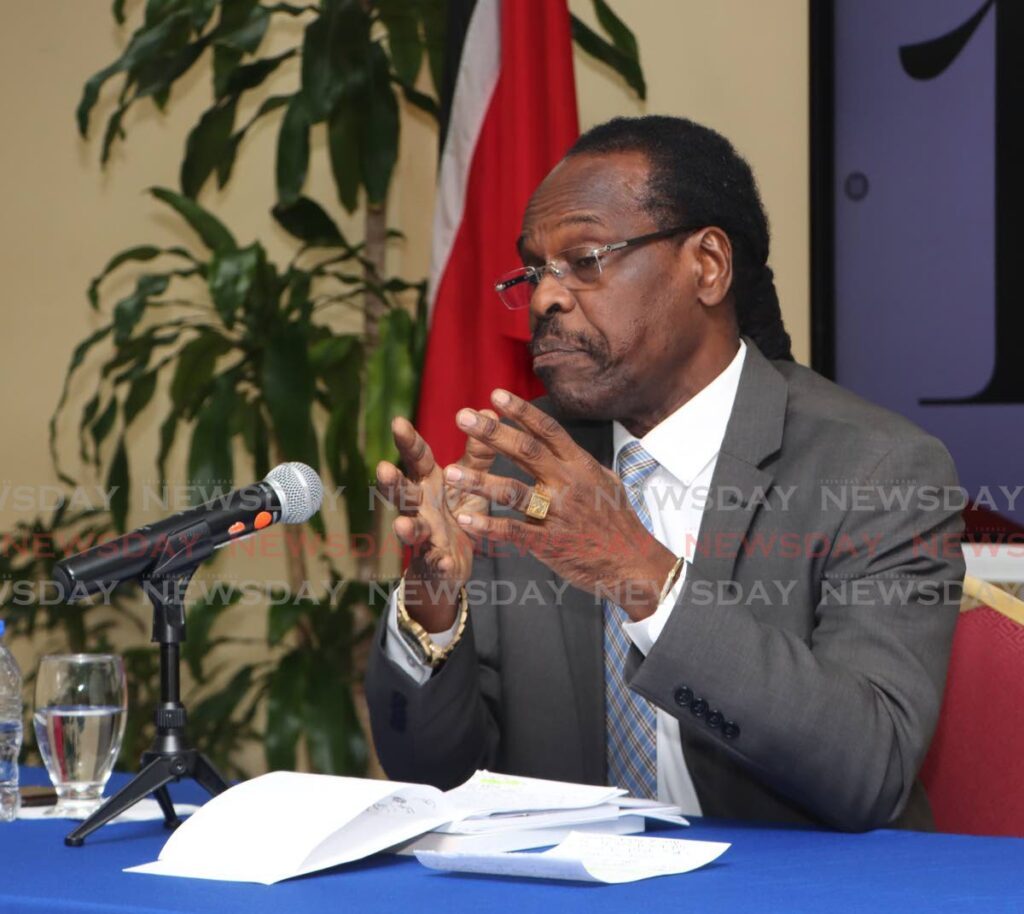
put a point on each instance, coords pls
(629, 719)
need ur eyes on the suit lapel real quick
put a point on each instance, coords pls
(753, 434)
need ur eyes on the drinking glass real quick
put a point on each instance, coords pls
(80, 713)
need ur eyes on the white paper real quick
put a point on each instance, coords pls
(519, 820)
(143, 811)
(586, 857)
(487, 792)
(519, 839)
(284, 824)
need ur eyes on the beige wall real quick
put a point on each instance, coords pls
(737, 65)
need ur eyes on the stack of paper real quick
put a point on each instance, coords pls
(513, 813)
(286, 824)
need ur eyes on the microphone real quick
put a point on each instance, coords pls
(291, 494)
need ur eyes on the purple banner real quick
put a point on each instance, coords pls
(917, 229)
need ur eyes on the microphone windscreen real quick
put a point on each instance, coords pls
(299, 490)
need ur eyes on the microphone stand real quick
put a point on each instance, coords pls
(170, 758)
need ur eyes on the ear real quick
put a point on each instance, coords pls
(712, 259)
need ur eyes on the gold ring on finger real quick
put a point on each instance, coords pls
(540, 501)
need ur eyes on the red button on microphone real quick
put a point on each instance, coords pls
(236, 528)
(263, 519)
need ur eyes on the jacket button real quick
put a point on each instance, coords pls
(698, 707)
(730, 729)
(714, 719)
(683, 696)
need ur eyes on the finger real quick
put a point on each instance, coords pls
(479, 455)
(392, 483)
(519, 446)
(525, 536)
(539, 424)
(416, 455)
(499, 490)
(411, 530)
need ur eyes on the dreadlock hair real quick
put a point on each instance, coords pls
(698, 178)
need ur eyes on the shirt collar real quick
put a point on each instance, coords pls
(687, 440)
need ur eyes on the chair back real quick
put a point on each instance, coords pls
(974, 771)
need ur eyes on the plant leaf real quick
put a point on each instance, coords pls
(284, 711)
(207, 226)
(378, 147)
(194, 370)
(599, 49)
(402, 22)
(343, 147)
(77, 357)
(618, 31)
(225, 61)
(293, 150)
(230, 278)
(333, 735)
(306, 220)
(422, 101)
(390, 385)
(118, 486)
(334, 51)
(228, 161)
(207, 145)
(168, 429)
(250, 425)
(282, 618)
(144, 44)
(88, 416)
(128, 311)
(243, 27)
(210, 465)
(154, 77)
(288, 388)
(433, 14)
(253, 74)
(202, 616)
(101, 428)
(139, 395)
(141, 252)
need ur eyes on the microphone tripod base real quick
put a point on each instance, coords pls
(158, 770)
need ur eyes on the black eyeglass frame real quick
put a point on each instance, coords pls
(535, 274)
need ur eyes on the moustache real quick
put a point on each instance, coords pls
(546, 340)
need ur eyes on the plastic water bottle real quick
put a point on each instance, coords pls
(10, 732)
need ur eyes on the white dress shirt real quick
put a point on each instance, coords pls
(686, 446)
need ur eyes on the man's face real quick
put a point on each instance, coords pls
(611, 351)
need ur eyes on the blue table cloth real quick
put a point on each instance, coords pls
(766, 869)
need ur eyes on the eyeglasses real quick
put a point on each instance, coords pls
(576, 268)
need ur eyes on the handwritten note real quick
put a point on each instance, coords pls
(583, 857)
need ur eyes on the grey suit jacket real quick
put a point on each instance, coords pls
(805, 658)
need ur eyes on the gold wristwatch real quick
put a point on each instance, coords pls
(418, 638)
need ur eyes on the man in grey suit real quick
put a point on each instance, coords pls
(696, 569)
